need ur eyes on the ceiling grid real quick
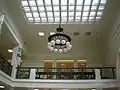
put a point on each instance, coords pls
(69, 11)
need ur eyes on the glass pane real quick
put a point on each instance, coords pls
(40, 2)
(99, 13)
(28, 14)
(87, 2)
(50, 19)
(24, 3)
(47, 2)
(37, 19)
(93, 8)
(92, 13)
(98, 17)
(78, 13)
(44, 19)
(35, 14)
(64, 14)
(64, 19)
(56, 14)
(41, 8)
(78, 8)
(49, 8)
(49, 14)
(95, 2)
(71, 8)
(42, 14)
(55, 2)
(84, 17)
(56, 8)
(71, 13)
(77, 18)
(79, 2)
(103, 1)
(63, 8)
(91, 17)
(85, 13)
(26, 9)
(30, 19)
(32, 3)
(63, 2)
(57, 19)
(71, 2)
(101, 8)
(86, 8)
(34, 9)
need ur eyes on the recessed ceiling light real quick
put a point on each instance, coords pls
(41, 33)
(10, 50)
(62, 64)
(2, 87)
(81, 60)
(93, 89)
(36, 89)
(51, 33)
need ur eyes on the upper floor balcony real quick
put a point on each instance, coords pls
(38, 77)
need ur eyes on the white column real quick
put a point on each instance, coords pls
(15, 60)
(118, 66)
(1, 22)
(97, 74)
(54, 66)
(75, 65)
(14, 72)
(32, 73)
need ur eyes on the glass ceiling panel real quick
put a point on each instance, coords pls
(70, 11)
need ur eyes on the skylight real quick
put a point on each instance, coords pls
(70, 11)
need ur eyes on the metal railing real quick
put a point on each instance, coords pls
(66, 73)
(5, 66)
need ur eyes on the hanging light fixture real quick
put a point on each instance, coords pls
(59, 42)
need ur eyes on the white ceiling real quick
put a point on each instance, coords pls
(89, 47)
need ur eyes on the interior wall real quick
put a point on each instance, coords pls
(113, 43)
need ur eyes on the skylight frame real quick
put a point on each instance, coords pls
(43, 8)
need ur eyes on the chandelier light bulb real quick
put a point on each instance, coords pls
(60, 50)
(55, 50)
(65, 49)
(51, 48)
(69, 47)
(58, 41)
(52, 42)
(63, 41)
(67, 43)
(49, 44)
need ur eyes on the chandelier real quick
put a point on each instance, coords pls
(59, 42)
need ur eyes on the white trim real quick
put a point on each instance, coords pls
(44, 83)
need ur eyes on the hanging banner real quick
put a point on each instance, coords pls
(1, 22)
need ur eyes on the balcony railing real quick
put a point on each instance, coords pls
(5, 66)
(66, 73)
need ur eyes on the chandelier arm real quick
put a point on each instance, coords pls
(59, 34)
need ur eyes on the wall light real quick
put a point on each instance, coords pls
(2, 87)
(10, 50)
(41, 33)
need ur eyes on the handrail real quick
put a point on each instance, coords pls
(79, 73)
(64, 68)
(5, 66)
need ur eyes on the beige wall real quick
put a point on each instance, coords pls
(113, 44)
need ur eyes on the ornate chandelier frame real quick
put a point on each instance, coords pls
(59, 42)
